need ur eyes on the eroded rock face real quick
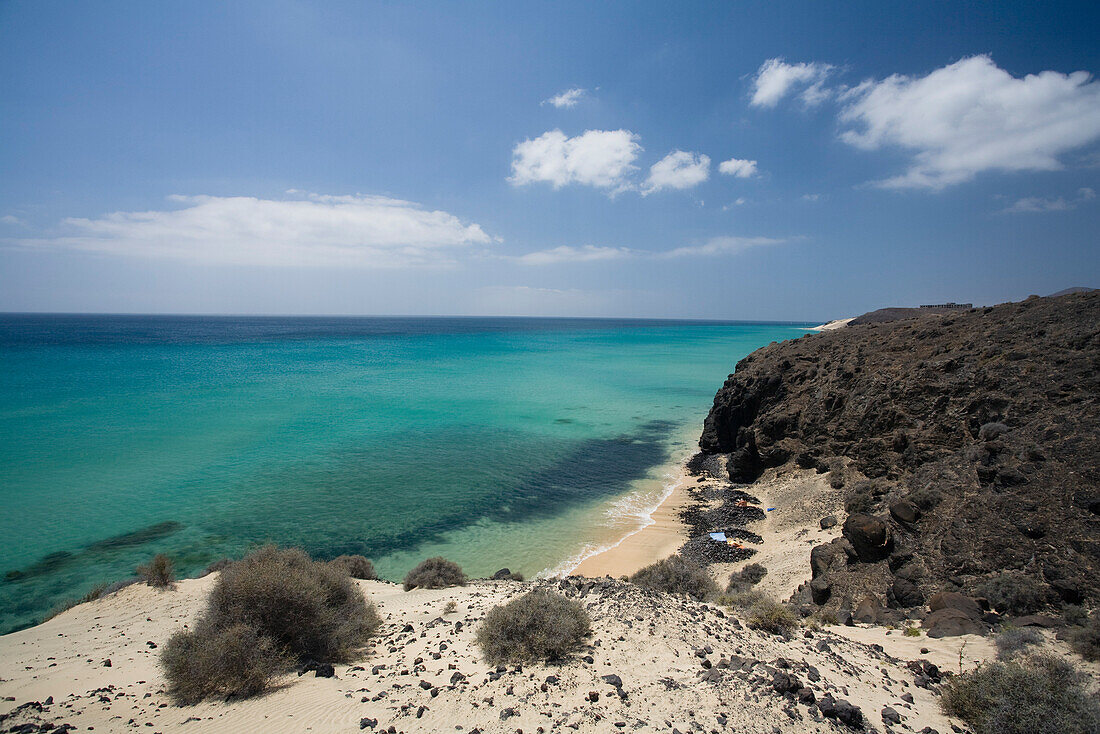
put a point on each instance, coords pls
(970, 435)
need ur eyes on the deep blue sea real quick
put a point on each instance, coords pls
(526, 443)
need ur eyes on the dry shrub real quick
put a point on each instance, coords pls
(761, 611)
(158, 572)
(676, 575)
(1014, 593)
(1086, 641)
(1013, 641)
(357, 567)
(215, 567)
(540, 625)
(276, 607)
(1035, 694)
(749, 576)
(307, 607)
(435, 573)
(234, 661)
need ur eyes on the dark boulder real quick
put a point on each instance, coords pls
(955, 600)
(903, 594)
(870, 536)
(949, 622)
(828, 521)
(821, 589)
(867, 611)
(840, 710)
(905, 511)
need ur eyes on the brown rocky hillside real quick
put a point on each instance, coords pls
(973, 437)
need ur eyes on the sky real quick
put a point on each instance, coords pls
(794, 161)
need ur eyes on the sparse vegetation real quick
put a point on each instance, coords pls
(450, 607)
(266, 611)
(677, 575)
(94, 593)
(1086, 641)
(1013, 641)
(158, 573)
(435, 573)
(235, 661)
(749, 576)
(215, 567)
(1031, 694)
(761, 611)
(540, 625)
(912, 632)
(357, 567)
(1075, 615)
(1013, 593)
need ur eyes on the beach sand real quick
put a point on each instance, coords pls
(651, 543)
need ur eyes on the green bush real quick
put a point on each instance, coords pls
(1013, 641)
(1034, 694)
(1086, 641)
(676, 575)
(358, 567)
(1013, 593)
(539, 625)
(158, 572)
(268, 610)
(234, 661)
(435, 573)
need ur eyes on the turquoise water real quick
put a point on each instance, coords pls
(496, 442)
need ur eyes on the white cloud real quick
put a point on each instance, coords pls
(738, 167)
(739, 201)
(323, 231)
(1036, 204)
(13, 220)
(566, 254)
(811, 197)
(600, 158)
(678, 170)
(568, 98)
(972, 116)
(721, 246)
(776, 79)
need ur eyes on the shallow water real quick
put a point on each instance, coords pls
(496, 442)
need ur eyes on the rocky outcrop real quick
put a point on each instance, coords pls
(966, 442)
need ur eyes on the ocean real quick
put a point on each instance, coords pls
(496, 442)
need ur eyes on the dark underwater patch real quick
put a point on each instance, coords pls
(137, 537)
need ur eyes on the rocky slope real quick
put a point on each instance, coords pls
(655, 662)
(966, 443)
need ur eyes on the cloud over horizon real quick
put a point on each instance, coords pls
(600, 158)
(715, 246)
(310, 231)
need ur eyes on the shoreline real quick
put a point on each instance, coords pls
(659, 538)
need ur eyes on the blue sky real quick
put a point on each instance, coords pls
(706, 160)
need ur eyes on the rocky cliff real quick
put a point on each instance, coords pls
(967, 444)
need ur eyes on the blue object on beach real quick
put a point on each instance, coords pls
(770, 509)
(718, 536)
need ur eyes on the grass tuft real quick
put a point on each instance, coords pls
(158, 572)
